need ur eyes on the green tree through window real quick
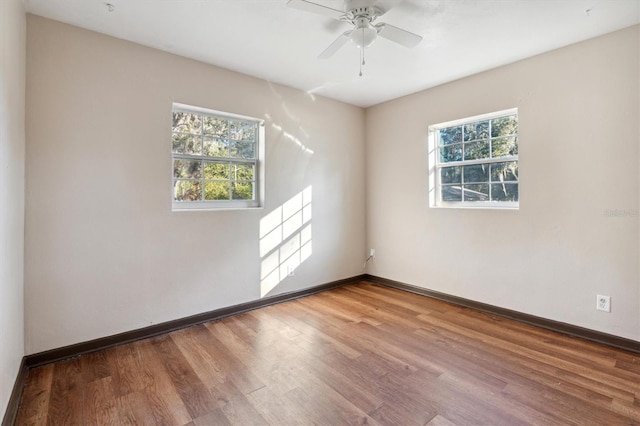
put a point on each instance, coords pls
(215, 158)
(476, 160)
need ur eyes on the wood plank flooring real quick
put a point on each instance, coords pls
(360, 354)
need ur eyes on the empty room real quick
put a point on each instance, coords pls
(292, 212)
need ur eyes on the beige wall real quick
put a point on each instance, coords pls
(12, 142)
(579, 160)
(104, 252)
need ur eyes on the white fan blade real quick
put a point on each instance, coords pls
(398, 35)
(336, 45)
(318, 9)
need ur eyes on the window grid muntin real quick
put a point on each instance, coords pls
(254, 161)
(464, 143)
(440, 165)
(203, 180)
(488, 182)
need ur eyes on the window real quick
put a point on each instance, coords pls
(216, 159)
(474, 161)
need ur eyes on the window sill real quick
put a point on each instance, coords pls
(209, 207)
(477, 206)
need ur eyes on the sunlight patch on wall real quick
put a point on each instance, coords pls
(293, 139)
(285, 240)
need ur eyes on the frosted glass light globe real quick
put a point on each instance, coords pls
(364, 34)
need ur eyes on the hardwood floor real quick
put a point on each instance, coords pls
(360, 354)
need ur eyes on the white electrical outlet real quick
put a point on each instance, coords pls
(603, 303)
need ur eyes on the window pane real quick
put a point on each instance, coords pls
(504, 126)
(242, 191)
(242, 150)
(214, 147)
(504, 172)
(187, 169)
(216, 191)
(215, 171)
(187, 190)
(477, 173)
(242, 171)
(476, 150)
(451, 175)
(451, 193)
(243, 131)
(185, 122)
(216, 126)
(177, 144)
(450, 135)
(504, 146)
(478, 192)
(504, 192)
(474, 131)
(183, 143)
(451, 153)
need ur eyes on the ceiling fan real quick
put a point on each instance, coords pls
(362, 15)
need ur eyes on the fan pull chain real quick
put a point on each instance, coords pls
(362, 53)
(363, 46)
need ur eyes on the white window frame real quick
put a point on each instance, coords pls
(258, 162)
(435, 195)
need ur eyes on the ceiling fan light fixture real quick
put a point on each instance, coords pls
(361, 14)
(364, 34)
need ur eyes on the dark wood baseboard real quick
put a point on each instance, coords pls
(11, 412)
(82, 348)
(557, 326)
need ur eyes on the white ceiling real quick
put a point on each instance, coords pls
(267, 39)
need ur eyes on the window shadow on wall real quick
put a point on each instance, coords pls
(285, 240)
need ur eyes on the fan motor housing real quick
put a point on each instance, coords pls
(355, 9)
